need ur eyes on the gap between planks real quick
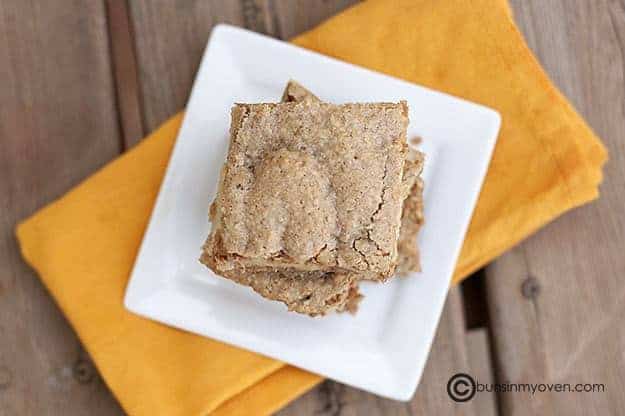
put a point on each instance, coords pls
(125, 74)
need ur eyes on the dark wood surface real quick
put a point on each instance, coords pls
(569, 327)
(58, 123)
(83, 81)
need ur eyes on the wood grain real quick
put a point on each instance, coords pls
(170, 38)
(58, 123)
(480, 362)
(556, 302)
(171, 35)
(292, 17)
(123, 61)
(449, 355)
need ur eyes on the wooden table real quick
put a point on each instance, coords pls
(82, 81)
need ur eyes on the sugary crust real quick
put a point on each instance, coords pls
(412, 213)
(318, 293)
(311, 186)
(312, 293)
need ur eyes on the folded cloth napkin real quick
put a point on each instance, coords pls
(83, 245)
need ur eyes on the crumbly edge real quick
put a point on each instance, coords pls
(295, 92)
(213, 254)
(412, 217)
(310, 293)
(223, 261)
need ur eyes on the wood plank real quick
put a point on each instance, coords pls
(170, 38)
(292, 17)
(58, 123)
(556, 301)
(123, 60)
(449, 356)
(478, 349)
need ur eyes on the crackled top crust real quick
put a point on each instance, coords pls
(311, 186)
(412, 215)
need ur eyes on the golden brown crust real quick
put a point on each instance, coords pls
(311, 186)
(412, 212)
(310, 293)
(412, 216)
(317, 293)
(295, 92)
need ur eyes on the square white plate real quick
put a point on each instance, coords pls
(382, 349)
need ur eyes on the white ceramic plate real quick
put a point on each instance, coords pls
(382, 349)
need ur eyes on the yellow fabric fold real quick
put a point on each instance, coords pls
(83, 245)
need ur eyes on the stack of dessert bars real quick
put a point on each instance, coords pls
(314, 198)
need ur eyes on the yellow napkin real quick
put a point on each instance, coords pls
(83, 245)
